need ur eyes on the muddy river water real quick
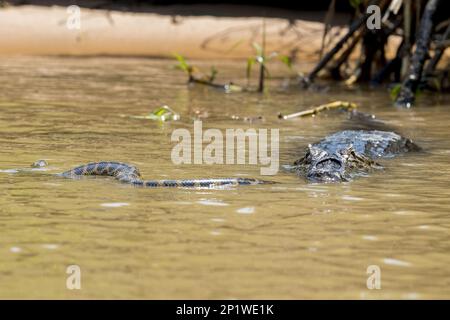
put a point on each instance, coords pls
(292, 239)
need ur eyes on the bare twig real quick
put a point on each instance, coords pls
(262, 65)
(345, 105)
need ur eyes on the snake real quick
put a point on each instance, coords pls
(130, 174)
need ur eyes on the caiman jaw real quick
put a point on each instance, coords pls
(329, 169)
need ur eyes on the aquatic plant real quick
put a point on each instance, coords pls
(196, 76)
(262, 59)
(162, 114)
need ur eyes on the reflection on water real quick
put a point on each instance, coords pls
(288, 240)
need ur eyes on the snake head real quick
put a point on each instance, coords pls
(39, 164)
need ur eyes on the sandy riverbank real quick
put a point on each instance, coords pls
(42, 30)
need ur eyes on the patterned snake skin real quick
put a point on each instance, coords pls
(130, 174)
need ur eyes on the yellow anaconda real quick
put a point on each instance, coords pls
(130, 174)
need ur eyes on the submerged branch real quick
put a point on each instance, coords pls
(229, 87)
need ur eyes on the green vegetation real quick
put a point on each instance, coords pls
(414, 70)
(196, 76)
(161, 114)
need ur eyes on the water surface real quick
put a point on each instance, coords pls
(289, 240)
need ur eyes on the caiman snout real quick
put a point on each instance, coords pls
(326, 170)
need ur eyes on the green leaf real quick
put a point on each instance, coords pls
(287, 61)
(258, 49)
(182, 63)
(163, 114)
(418, 93)
(395, 91)
(213, 74)
(250, 62)
(355, 3)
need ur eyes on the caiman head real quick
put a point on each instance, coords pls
(320, 166)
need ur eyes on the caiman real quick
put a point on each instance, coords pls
(349, 153)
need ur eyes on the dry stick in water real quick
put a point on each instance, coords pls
(229, 87)
(262, 69)
(312, 112)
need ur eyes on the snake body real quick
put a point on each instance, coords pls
(130, 174)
